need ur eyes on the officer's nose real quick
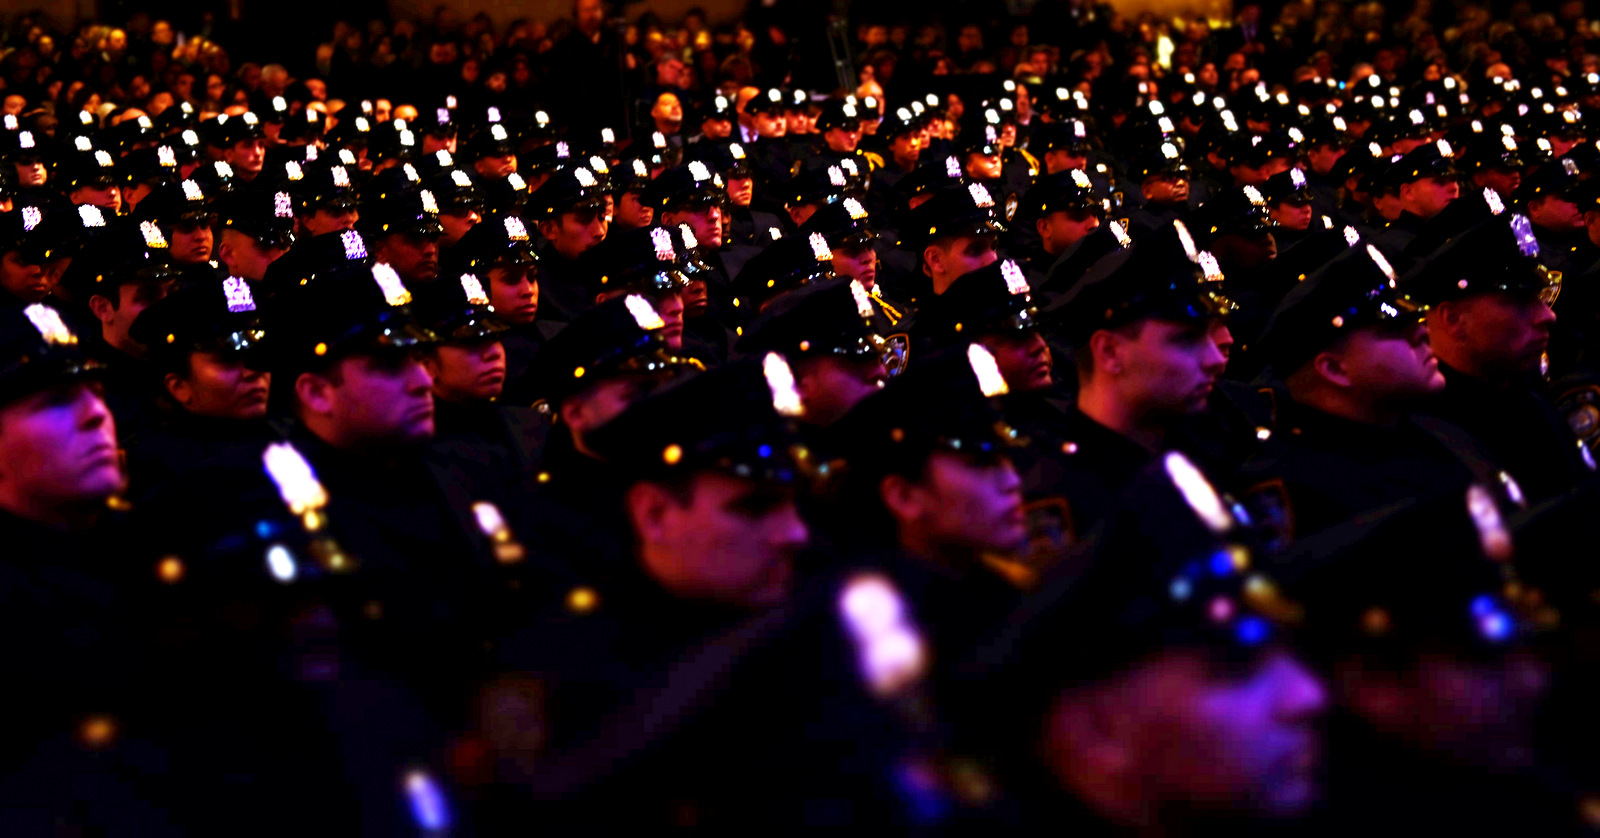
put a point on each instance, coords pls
(430, 248)
(1301, 694)
(417, 378)
(1009, 481)
(1037, 345)
(93, 414)
(1543, 316)
(473, 217)
(493, 352)
(1213, 361)
(788, 530)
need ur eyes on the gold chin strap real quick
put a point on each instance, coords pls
(889, 311)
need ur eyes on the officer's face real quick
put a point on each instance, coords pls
(246, 156)
(906, 148)
(246, 257)
(706, 222)
(574, 233)
(31, 173)
(514, 295)
(843, 140)
(58, 447)
(381, 399)
(108, 198)
(961, 256)
(983, 166)
(667, 112)
(1504, 334)
(1324, 157)
(1166, 189)
(795, 122)
(414, 258)
(729, 540)
(1062, 160)
(674, 308)
(769, 125)
(1502, 181)
(1428, 196)
(717, 129)
(962, 501)
(830, 386)
(741, 190)
(23, 280)
(330, 220)
(1194, 734)
(133, 298)
(857, 262)
(456, 224)
(1556, 213)
(191, 242)
(1391, 363)
(220, 386)
(1171, 367)
(467, 372)
(1292, 215)
(632, 212)
(1061, 230)
(1023, 358)
(496, 165)
(1245, 252)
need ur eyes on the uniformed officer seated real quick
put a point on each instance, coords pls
(181, 209)
(56, 434)
(25, 252)
(254, 229)
(1063, 208)
(206, 352)
(628, 183)
(955, 232)
(325, 199)
(992, 305)
(402, 229)
(569, 210)
(826, 332)
(1489, 324)
(811, 189)
(785, 265)
(690, 194)
(1354, 352)
(646, 261)
(1193, 707)
(460, 204)
(714, 464)
(243, 145)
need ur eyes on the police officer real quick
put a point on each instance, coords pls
(826, 332)
(499, 252)
(1426, 181)
(1489, 323)
(403, 230)
(254, 228)
(1550, 198)
(1291, 203)
(468, 367)
(206, 352)
(955, 232)
(181, 211)
(134, 271)
(1163, 179)
(569, 210)
(1354, 353)
(1061, 210)
(26, 250)
(786, 265)
(243, 145)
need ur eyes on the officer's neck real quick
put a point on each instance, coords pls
(1100, 401)
(1351, 405)
(331, 433)
(949, 558)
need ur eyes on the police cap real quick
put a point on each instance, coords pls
(1357, 289)
(621, 336)
(1499, 255)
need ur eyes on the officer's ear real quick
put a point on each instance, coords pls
(1105, 352)
(1087, 737)
(178, 388)
(905, 499)
(1331, 366)
(548, 227)
(652, 510)
(104, 308)
(933, 258)
(314, 392)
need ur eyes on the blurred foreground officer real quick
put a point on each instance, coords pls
(123, 736)
(206, 355)
(255, 228)
(688, 679)
(1355, 354)
(1489, 324)
(1190, 713)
